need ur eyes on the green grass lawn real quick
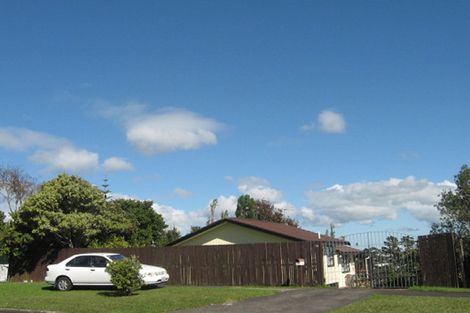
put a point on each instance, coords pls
(408, 304)
(441, 289)
(39, 296)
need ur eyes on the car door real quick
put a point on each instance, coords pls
(79, 270)
(99, 275)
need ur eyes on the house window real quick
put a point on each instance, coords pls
(330, 255)
(345, 263)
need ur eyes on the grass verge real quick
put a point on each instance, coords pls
(440, 289)
(408, 304)
(39, 296)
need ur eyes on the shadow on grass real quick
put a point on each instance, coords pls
(111, 288)
(115, 294)
(105, 291)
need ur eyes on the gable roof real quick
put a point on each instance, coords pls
(281, 230)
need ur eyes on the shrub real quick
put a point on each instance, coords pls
(125, 275)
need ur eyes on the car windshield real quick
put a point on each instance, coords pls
(116, 257)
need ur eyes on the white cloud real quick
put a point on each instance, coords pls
(114, 164)
(66, 159)
(113, 195)
(173, 217)
(181, 219)
(182, 193)
(228, 178)
(366, 202)
(165, 131)
(225, 203)
(259, 188)
(331, 122)
(21, 139)
(57, 154)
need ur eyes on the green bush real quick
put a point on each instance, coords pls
(125, 275)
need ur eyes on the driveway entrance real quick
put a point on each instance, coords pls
(292, 301)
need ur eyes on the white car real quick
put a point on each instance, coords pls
(89, 270)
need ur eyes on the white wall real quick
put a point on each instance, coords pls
(3, 272)
(334, 275)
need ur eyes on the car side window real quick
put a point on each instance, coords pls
(99, 261)
(80, 261)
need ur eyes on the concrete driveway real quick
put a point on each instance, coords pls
(311, 300)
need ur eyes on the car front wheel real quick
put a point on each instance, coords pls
(63, 283)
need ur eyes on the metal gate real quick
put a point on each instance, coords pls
(373, 259)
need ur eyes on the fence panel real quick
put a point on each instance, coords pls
(271, 264)
(438, 260)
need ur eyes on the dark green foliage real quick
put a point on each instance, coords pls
(2, 221)
(195, 229)
(66, 212)
(3, 229)
(125, 275)
(105, 189)
(454, 207)
(395, 263)
(262, 210)
(148, 226)
(224, 214)
(171, 235)
(246, 207)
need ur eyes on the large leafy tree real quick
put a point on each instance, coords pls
(454, 206)
(66, 212)
(148, 226)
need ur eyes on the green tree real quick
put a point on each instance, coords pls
(246, 207)
(396, 263)
(66, 212)
(454, 207)
(2, 221)
(224, 214)
(105, 190)
(171, 235)
(148, 226)
(3, 228)
(265, 211)
(262, 210)
(195, 229)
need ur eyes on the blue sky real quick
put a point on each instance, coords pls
(345, 112)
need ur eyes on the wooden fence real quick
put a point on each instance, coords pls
(438, 260)
(271, 264)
